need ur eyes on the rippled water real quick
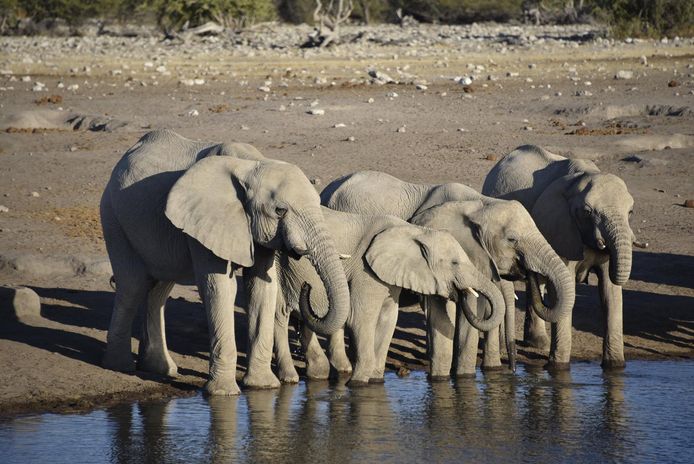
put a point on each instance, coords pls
(643, 414)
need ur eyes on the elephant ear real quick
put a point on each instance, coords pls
(207, 203)
(552, 215)
(473, 219)
(398, 257)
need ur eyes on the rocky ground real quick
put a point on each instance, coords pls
(425, 103)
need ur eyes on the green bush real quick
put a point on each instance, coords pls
(647, 18)
(459, 11)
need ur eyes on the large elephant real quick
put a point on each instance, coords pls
(501, 239)
(584, 214)
(383, 255)
(371, 192)
(180, 211)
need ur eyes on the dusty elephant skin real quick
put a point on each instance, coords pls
(51, 181)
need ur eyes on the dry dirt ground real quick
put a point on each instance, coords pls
(439, 134)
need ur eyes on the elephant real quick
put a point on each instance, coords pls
(584, 214)
(372, 192)
(382, 255)
(181, 211)
(502, 240)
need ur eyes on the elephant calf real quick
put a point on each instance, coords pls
(383, 255)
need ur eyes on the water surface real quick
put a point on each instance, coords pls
(643, 414)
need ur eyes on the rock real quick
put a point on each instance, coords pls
(35, 194)
(584, 93)
(401, 129)
(643, 60)
(209, 28)
(350, 139)
(403, 371)
(689, 203)
(265, 89)
(193, 113)
(19, 303)
(623, 75)
(316, 112)
(392, 95)
(316, 180)
(339, 125)
(187, 82)
(421, 87)
(39, 87)
(370, 100)
(4, 209)
(380, 78)
(491, 157)
(673, 83)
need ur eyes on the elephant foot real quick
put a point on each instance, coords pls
(161, 364)
(554, 366)
(221, 387)
(439, 377)
(121, 362)
(537, 341)
(342, 365)
(356, 383)
(260, 380)
(465, 375)
(318, 370)
(494, 368)
(377, 380)
(613, 364)
(288, 375)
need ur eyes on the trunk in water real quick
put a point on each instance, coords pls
(487, 289)
(619, 241)
(540, 258)
(325, 259)
(510, 323)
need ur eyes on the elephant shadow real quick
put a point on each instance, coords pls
(663, 268)
(69, 316)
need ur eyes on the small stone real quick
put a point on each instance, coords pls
(350, 139)
(73, 87)
(264, 88)
(187, 82)
(491, 157)
(244, 127)
(316, 112)
(17, 303)
(38, 87)
(584, 93)
(392, 95)
(26, 78)
(403, 371)
(528, 128)
(467, 80)
(73, 148)
(421, 87)
(401, 129)
(512, 74)
(193, 113)
(339, 125)
(673, 83)
(370, 100)
(643, 60)
(282, 108)
(148, 64)
(35, 194)
(315, 180)
(623, 75)
(689, 203)
(4, 209)
(462, 129)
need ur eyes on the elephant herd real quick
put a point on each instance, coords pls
(187, 212)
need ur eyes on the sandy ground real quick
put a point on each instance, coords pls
(447, 133)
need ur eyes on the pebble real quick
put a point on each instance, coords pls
(401, 129)
(689, 203)
(264, 88)
(623, 75)
(673, 83)
(4, 209)
(39, 87)
(643, 60)
(339, 125)
(26, 78)
(370, 100)
(282, 108)
(35, 194)
(193, 113)
(73, 87)
(491, 157)
(316, 111)
(350, 139)
(421, 87)
(584, 93)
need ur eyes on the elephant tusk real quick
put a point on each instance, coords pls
(638, 244)
(342, 256)
(515, 297)
(472, 290)
(601, 244)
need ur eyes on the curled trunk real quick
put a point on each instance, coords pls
(619, 242)
(487, 289)
(325, 259)
(540, 258)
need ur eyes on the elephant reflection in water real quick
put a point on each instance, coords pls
(140, 433)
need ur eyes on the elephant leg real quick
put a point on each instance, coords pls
(218, 293)
(534, 329)
(132, 285)
(317, 364)
(440, 331)
(560, 346)
(611, 302)
(491, 358)
(338, 353)
(153, 354)
(261, 289)
(467, 339)
(363, 329)
(283, 356)
(385, 327)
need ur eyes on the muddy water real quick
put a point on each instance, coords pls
(643, 414)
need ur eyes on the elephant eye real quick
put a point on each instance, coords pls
(512, 240)
(280, 211)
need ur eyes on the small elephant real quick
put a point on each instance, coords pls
(383, 255)
(180, 211)
(372, 192)
(502, 240)
(584, 214)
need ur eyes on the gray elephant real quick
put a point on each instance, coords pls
(383, 255)
(584, 214)
(180, 211)
(370, 192)
(502, 240)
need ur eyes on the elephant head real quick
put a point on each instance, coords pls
(501, 238)
(432, 262)
(232, 205)
(588, 209)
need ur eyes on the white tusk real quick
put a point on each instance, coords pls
(345, 256)
(640, 244)
(515, 297)
(472, 290)
(601, 244)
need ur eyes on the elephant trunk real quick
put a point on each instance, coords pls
(325, 259)
(485, 287)
(510, 323)
(540, 258)
(619, 242)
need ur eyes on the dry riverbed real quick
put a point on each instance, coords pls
(427, 104)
